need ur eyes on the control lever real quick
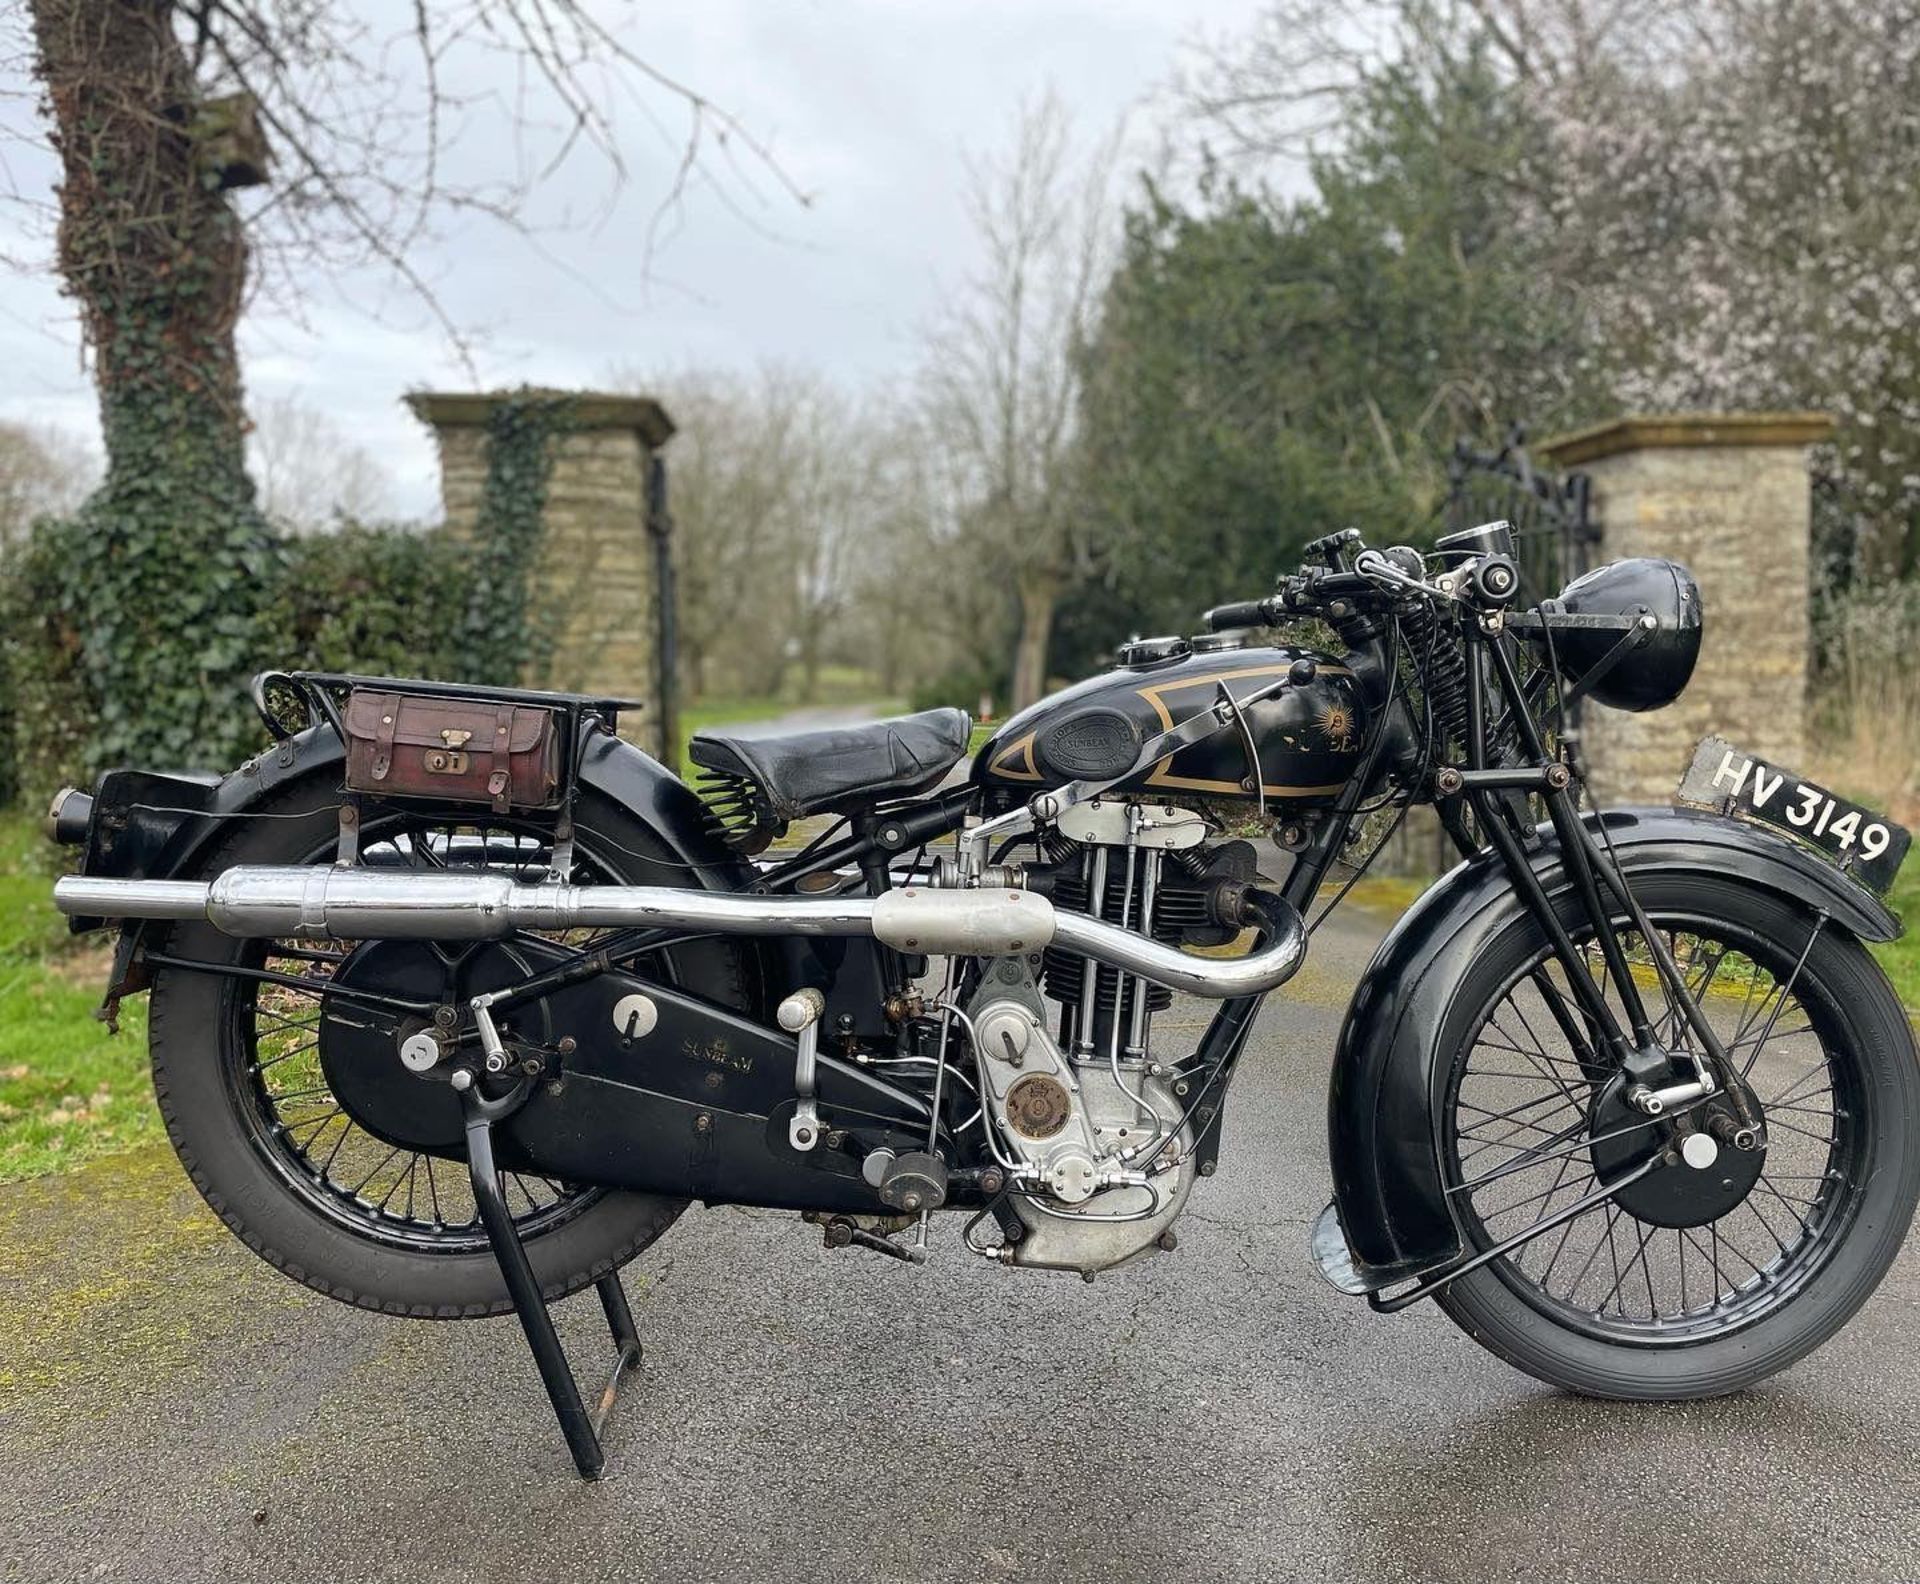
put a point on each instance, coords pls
(1333, 547)
(800, 1016)
(840, 1232)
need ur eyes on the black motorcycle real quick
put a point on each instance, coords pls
(459, 999)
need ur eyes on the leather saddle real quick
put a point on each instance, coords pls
(823, 771)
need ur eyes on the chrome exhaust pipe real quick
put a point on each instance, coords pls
(318, 902)
(1217, 978)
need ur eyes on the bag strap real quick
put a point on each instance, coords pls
(383, 737)
(500, 781)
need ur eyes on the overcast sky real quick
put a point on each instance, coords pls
(871, 106)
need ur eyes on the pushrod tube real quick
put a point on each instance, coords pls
(1218, 1054)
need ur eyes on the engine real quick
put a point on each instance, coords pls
(1091, 1125)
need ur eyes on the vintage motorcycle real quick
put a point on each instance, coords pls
(458, 999)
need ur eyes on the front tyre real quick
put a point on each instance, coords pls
(1701, 1280)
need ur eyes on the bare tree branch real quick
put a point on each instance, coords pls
(371, 137)
(1001, 363)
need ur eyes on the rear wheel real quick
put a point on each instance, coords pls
(1701, 1278)
(360, 1200)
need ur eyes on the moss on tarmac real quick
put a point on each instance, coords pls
(112, 1270)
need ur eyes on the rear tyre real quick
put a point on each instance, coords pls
(1705, 1283)
(249, 1110)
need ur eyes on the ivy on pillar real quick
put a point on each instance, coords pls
(554, 486)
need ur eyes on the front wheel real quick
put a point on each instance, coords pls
(1715, 1271)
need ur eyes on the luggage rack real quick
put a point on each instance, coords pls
(320, 696)
(319, 692)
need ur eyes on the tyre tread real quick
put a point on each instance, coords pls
(610, 1232)
(1489, 1311)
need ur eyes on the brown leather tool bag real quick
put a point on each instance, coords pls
(474, 750)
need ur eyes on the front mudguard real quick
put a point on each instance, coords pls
(1383, 1113)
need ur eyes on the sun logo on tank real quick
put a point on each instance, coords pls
(1336, 725)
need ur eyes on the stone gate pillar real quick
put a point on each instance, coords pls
(603, 550)
(1728, 495)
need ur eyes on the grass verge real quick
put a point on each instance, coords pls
(1901, 958)
(69, 1090)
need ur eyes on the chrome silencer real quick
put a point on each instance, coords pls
(318, 902)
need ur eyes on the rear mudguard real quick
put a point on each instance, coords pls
(1384, 1106)
(715, 1127)
(152, 826)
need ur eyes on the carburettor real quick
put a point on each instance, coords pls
(1097, 1177)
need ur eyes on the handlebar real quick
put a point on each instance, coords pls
(1305, 593)
(1368, 579)
(1243, 613)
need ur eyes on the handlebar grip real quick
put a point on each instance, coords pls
(1241, 613)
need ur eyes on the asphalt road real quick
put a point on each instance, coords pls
(172, 1410)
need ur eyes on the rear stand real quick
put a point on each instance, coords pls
(581, 1428)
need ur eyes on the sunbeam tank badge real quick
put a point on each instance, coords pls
(1336, 727)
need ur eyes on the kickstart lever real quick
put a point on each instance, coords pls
(800, 1016)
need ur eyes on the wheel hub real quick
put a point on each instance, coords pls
(1704, 1178)
(361, 1046)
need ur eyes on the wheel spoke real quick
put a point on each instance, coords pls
(1520, 1124)
(1534, 1054)
(1774, 1122)
(1793, 1092)
(1560, 1247)
(1523, 1100)
(1599, 1244)
(353, 1175)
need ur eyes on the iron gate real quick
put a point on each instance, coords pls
(1554, 529)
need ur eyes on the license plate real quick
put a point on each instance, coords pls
(1866, 845)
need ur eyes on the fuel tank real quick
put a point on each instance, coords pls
(1308, 738)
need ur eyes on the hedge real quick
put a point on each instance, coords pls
(361, 598)
(83, 683)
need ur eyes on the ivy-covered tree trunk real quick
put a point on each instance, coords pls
(170, 569)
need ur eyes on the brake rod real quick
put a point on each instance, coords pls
(311, 986)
